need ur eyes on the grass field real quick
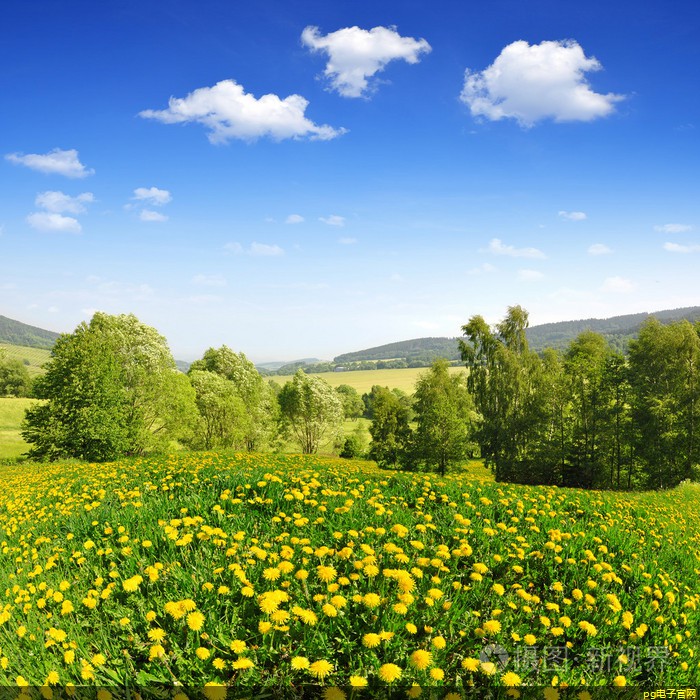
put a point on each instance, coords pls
(281, 570)
(11, 416)
(363, 380)
(33, 358)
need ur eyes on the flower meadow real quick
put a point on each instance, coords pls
(261, 571)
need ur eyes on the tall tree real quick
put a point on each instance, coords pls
(311, 410)
(257, 395)
(665, 382)
(445, 417)
(390, 429)
(111, 389)
(510, 389)
(14, 377)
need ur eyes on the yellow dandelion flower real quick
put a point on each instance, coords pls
(300, 662)
(371, 600)
(529, 639)
(195, 620)
(619, 681)
(242, 664)
(389, 673)
(156, 635)
(333, 693)
(330, 610)
(511, 679)
(69, 656)
(492, 626)
(470, 664)
(326, 573)
(371, 640)
(437, 674)
(439, 642)
(52, 678)
(320, 669)
(421, 659)
(411, 628)
(358, 682)
(202, 653)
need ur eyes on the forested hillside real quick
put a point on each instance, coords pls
(18, 333)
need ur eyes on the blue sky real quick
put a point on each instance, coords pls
(303, 179)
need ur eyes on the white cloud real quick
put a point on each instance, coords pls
(56, 162)
(48, 221)
(333, 220)
(209, 280)
(294, 219)
(618, 285)
(355, 55)
(60, 203)
(678, 248)
(529, 275)
(150, 215)
(599, 249)
(531, 83)
(347, 241)
(497, 247)
(228, 112)
(265, 249)
(573, 215)
(152, 195)
(673, 228)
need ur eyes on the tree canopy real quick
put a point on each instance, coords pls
(111, 388)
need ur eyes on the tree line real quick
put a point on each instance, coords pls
(587, 417)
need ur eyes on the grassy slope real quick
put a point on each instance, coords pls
(35, 357)
(11, 416)
(363, 380)
(177, 529)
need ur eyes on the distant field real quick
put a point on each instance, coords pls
(33, 358)
(11, 416)
(363, 380)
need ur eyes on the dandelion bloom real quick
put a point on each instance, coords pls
(470, 664)
(237, 646)
(358, 682)
(389, 673)
(619, 681)
(195, 620)
(439, 642)
(421, 659)
(371, 600)
(320, 669)
(300, 662)
(437, 674)
(511, 679)
(326, 573)
(202, 653)
(492, 626)
(371, 640)
(529, 639)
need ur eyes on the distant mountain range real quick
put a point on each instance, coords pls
(618, 331)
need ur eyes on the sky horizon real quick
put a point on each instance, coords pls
(308, 179)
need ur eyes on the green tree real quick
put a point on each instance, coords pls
(222, 413)
(14, 377)
(511, 390)
(665, 386)
(310, 410)
(390, 429)
(258, 424)
(111, 389)
(353, 406)
(445, 417)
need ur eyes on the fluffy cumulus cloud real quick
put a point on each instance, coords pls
(152, 195)
(497, 247)
(52, 222)
(294, 219)
(531, 83)
(228, 112)
(356, 55)
(150, 216)
(56, 162)
(573, 215)
(599, 249)
(673, 228)
(678, 248)
(332, 220)
(618, 285)
(60, 203)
